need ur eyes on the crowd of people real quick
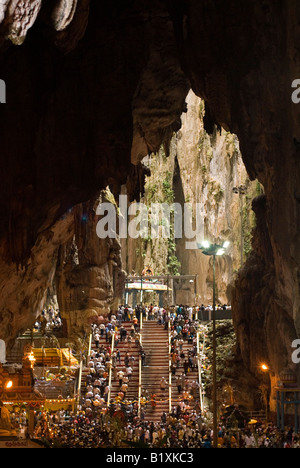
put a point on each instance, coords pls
(112, 429)
(49, 320)
(122, 423)
(97, 419)
(106, 358)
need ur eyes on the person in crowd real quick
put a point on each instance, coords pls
(184, 427)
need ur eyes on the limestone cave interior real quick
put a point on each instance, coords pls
(95, 87)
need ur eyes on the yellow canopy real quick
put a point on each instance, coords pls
(54, 357)
(253, 421)
(55, 405)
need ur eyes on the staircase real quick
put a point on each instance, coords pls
(190, 376)
(123, 347)
(133, 384)
(155, 343)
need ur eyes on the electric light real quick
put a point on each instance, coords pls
(214, 251)
(264, 367)
(31, 359)
(9, 384)
(205, 244)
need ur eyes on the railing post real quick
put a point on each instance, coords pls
(170, 373)
(80, 369)
(90, 344)
(140, 368)
(110, 370)
(199, 359)
(79, 383)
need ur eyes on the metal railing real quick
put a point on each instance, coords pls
(78, 390)
(199, 362)
(140, 368)
(110, 370)
(79, 383)
(170, 365)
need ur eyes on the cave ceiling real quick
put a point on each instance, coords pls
(93, 87)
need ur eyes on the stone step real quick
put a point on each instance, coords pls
(155, 340)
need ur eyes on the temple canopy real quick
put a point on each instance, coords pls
(147, 286)
(163, 285)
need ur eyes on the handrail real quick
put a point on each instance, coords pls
(140, 387)
(140, 367)
(199, 361)
(170, 362)
(90, 344)
(79, 383)
(80, 369)
(110, 370)
(141, 321)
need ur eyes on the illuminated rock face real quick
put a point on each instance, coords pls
(89, 276)
(94, 87)
(203, 171)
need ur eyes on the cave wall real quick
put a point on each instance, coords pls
(73, 107)
(90, 87)
(245, 62)
(93, 86)
(89, 279)
(209, 167)
(24, 290)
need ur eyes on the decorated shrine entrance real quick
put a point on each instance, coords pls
(164, 286)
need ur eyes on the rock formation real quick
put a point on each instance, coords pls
(89, 273)
(202, 171)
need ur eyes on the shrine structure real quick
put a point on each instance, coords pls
(17, 389)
